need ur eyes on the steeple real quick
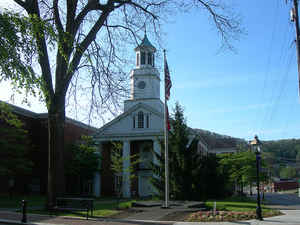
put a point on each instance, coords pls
(144, 78)
(145, 53)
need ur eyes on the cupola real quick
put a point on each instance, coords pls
(145, 53)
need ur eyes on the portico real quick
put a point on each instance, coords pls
(144, 147)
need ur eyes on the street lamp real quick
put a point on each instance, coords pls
(256, 145)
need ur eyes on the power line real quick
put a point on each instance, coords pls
(282, 87)
(267, 72)
(295, 18)
(274, 99)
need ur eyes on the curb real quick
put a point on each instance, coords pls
(15, 222)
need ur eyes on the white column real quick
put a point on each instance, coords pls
(157, 150)
(126, 172)
(97, 175)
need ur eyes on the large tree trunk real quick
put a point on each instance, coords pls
(56, 175)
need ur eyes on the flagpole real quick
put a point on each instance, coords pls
(166, 149)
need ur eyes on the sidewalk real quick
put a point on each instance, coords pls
(9, 217)
(291, 217)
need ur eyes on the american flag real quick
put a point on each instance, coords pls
(168, 83)
(168, 121)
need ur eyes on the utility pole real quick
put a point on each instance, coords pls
(295, 19)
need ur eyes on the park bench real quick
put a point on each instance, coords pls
(75, 204)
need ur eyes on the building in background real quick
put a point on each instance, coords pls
(37, 126)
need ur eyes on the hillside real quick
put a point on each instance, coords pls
(215, 140)
(282, 151)
(282, 157)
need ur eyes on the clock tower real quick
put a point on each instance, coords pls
(139, 127)
(144, 78)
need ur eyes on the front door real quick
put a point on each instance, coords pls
(144, 186)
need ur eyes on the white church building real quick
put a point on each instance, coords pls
(140, 128)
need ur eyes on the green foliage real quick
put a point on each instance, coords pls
(84, 160)
(82, 37)
(281, 153)
(18, 50)
(282, 150)
(191, 176)
(14, 145)
(183, 159)
(288, 172)
(231, 209)
(14, 201)
(212, 182)
(8, 116)
(241, 168)
(117, 161)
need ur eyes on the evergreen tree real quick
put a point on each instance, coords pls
(212, 182)
(192, 176)
(184, 162)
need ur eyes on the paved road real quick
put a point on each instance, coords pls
(7, 217)
(283, 201)
(290, 217)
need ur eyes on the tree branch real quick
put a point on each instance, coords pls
(86, 42)
(32, 8)
(91, 5)
(21, 3)
(71, 10)
(57, 20)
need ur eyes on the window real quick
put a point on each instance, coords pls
(138, 59)
(143, 58)
(146, 158)
(150, 58)
(147, 121)
(140, 119)
(133, 121)
(118, 183)
(153, 60)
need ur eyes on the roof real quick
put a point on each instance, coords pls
(27, 113)
(124, 114)
(223, 150)
(145, 44)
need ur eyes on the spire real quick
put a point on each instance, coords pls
(145, 44)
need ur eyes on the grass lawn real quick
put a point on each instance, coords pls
(103, 207)
(111, 208)
(15, 201)
(231, 209)
(239, 204)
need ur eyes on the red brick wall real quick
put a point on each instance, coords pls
(74, 132)
(38, 133)
(285, 185)
(107, 182)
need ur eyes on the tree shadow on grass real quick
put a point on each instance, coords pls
(243, 206)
